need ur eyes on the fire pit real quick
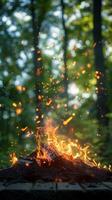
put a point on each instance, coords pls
(55, 170)
(60, 178)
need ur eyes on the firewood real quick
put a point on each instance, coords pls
(59, 168)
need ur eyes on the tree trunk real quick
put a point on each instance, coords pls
(102, 108)
(36, 25)
(65, 42)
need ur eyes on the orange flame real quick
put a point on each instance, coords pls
(13, 158)
(66, 148)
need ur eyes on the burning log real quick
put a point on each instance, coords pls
(50, 151)
(56, 161)
(53, 168)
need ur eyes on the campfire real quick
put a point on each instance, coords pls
(57, 146)
(56, 158)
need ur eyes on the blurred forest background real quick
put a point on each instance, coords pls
(55, 61)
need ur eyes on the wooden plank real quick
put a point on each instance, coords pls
(68, 187)
(19, 186)
(107, 184)
(55, 191)
(69, 191)
(94, 187)
(52, 186)
(49, 186)
(2, 187)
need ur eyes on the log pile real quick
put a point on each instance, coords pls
(58, 170)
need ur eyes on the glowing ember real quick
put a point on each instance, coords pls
(24, 129)
(69, 119)
(20, 88)
(98, 74)
(48, 102)
(29, 134)
(18, 111)
(13, 158)
(27, 164)
(14, 104)
(17, 107)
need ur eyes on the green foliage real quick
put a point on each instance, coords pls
(17, 69)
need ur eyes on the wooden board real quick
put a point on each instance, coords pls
(53, 190)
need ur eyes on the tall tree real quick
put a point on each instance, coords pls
(38, 12)
(65, 42)
(36, 25)
(102, 108)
